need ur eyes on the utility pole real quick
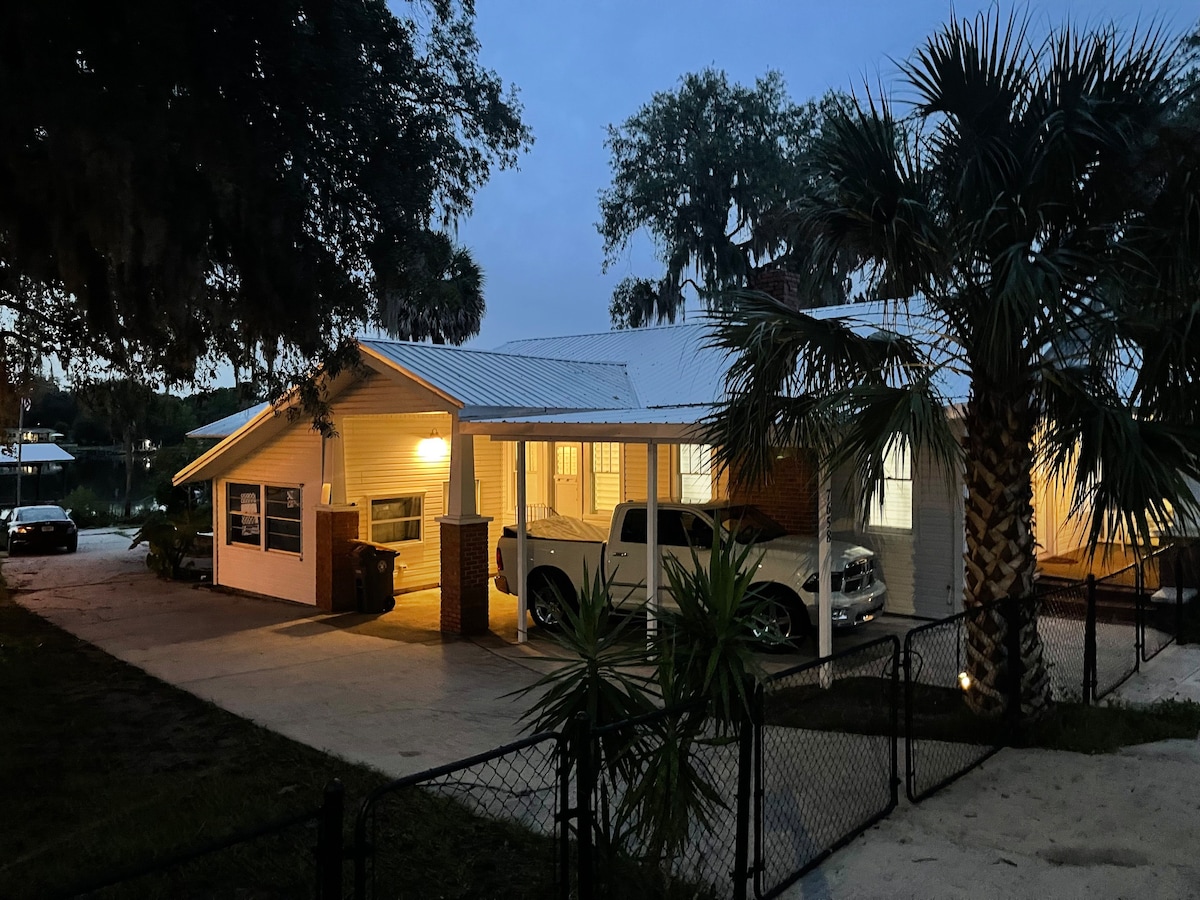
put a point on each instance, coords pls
(20, 440)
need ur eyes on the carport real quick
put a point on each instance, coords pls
(651, 427)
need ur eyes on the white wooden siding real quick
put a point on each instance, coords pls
(633, 472)
(380, 453)
(922, 567)
(490, 473)
(375, 394)
(292, 458)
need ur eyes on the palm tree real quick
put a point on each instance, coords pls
(1035, 221)
(441, 294)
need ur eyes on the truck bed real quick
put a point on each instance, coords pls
(560, 528)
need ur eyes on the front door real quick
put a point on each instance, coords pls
(568, 493)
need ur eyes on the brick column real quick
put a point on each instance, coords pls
(788, 495)
(465, 553)
(336, 528)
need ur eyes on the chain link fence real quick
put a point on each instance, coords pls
(1062, 627)
(1170, 579)
(665, 806)
(826, 759)
(943, 737)
(513, 796)
(1113, 602)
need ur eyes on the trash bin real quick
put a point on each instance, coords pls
(373, 568)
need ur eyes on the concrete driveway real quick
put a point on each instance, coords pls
(386, 691)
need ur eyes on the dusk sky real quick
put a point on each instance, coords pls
(580, 66)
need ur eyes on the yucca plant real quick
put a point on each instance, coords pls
(601, 672)
(711, 640)
(706, 673)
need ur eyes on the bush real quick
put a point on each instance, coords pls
(87, 509)
(171, 538)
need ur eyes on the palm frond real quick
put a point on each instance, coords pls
(1128, 476)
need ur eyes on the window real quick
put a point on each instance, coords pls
(245, 517)
(273, 527)
(606, 476)
(695, 473)
(566, 460)
(397, 519)
(893, 508)
(675, 529)
(283, 519)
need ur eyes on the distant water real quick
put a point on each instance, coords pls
(105, 477)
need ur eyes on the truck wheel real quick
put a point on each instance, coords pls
(546, 596)
(783, 616)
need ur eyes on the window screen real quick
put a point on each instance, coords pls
(244, 507)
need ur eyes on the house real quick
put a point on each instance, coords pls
(32, 452)
(425, 454)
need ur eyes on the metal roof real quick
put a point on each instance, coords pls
(673, 364)
(228, 425)
(669, 365)
(660, 423)
(32, 454)
(506, 381)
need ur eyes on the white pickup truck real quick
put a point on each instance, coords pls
(559, 548)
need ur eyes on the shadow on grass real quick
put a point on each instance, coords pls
(861, 705)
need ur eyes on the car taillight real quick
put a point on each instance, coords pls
(499, 560)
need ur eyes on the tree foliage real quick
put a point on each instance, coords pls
(185, 183)
(703, 170)
(1036, 217)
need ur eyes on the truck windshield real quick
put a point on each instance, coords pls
(748, 524)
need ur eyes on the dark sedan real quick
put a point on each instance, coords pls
(40, 528)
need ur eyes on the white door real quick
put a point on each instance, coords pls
(568, 493)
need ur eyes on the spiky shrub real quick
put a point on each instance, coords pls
(600, 673)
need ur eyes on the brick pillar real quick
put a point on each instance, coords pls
(465, 554)
(336, 528)
(788, 495)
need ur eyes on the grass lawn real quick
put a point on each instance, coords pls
(862, 705)
(103, 766)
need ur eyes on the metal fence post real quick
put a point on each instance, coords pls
(1089, 643)
(1178, 593)
(1139, 613)
(741, 841)
(563, 748)
(584, 789)
(330, 848)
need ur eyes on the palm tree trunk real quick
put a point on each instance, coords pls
(1000, 560)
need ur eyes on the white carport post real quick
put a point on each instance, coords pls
(522, 551)
(824, 571)
(652, 604)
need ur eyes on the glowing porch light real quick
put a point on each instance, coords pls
(432, 449)
(964, 681)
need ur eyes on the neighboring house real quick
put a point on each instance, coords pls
(33, 453)
(424, 460)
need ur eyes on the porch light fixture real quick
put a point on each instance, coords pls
(964, 681)
(432, 449)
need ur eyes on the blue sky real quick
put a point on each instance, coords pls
(582, 64)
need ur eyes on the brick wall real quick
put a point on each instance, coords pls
(336, 528)
(784, 286)
(464, 578)
(788, 495)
